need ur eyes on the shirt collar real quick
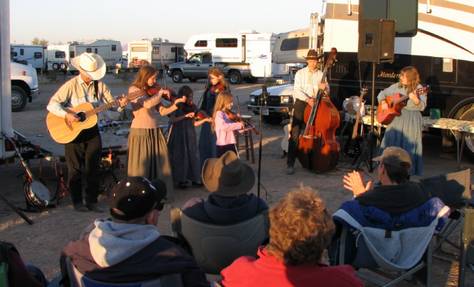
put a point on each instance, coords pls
(81, 81)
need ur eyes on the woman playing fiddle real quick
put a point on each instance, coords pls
(147, 149)
(223, 125)
(182, 143)
(207, 139)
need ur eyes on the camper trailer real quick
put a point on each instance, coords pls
(241, 55)
(59, 56)
(29, 54)
(442, 49)
(157, 52)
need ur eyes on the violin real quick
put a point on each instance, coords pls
(220, 87)
(237, 118)
(153, 90)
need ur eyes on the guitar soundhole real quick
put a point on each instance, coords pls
(82, 116)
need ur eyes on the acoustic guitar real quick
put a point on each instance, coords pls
(395, 103)
(63, 133)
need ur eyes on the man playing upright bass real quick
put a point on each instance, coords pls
(307, 82)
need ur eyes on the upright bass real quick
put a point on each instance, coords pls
(318, 149)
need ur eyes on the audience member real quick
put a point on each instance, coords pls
(229, 180)
(14, 272)
(128, 247)
(300, 230)
(394, 193)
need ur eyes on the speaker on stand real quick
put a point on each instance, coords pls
(376, 45)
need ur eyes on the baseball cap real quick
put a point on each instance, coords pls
(394, 156)
(134, 197)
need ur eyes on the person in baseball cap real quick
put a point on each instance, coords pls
(128, 247)
(394, 193)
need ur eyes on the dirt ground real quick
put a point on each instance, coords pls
(41, 243)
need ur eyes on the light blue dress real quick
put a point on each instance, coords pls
(405, 131)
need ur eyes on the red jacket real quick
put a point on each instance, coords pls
(269, 271)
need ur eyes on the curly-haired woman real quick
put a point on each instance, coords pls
(300, 230)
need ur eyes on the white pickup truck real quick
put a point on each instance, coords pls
(24, 82)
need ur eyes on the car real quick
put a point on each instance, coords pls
(278, 103)
(24, 82)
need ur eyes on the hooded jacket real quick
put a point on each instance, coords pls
(121, 252)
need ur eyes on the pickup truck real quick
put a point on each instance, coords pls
(24, 81)
(196, 68)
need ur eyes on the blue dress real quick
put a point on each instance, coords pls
(207, 139)
(405, 131)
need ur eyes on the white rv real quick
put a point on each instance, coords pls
(157, 52)
(57, 57)
(29, 54)
(241, 55)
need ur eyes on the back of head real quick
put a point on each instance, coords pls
(397, 163)
(300, 228)
(134, 197)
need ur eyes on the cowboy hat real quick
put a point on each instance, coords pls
(312, 55)
(227, 175)
(90, 64)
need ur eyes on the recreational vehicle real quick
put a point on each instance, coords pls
(29, 54)
(59, 56)
(442, 50)
(157, 52)
(242, 55)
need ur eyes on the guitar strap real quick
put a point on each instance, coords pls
(96, 90)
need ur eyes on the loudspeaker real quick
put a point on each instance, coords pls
(376, 40)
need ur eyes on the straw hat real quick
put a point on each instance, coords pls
(91, 64)
(227, 175)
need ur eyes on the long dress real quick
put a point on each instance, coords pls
(405, 131)
(147, 148)
(182, 146)
(207, 139)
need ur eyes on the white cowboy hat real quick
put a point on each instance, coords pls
(90, 64)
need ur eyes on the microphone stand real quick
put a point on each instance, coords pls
(262, 102)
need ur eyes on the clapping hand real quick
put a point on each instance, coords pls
(353, 181)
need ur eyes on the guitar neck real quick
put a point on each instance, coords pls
(101, 108)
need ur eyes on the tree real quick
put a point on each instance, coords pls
(38, 41)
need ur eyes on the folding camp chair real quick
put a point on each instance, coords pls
(216, 246)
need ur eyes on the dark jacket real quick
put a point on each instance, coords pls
(222, 210)
(395, 199)
(161, 257)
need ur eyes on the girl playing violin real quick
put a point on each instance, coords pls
(182, 143)
(216, 84)
(223, 125)
(405, 131)
(147, 149)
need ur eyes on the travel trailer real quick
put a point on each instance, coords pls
(59, 56)
(241, 55)
(442, 50)
(157, 52)
(29, 54)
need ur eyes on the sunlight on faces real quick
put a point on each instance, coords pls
(229, 105)
(152, 80)
(403, 79)
(214, 79)
(312, 65)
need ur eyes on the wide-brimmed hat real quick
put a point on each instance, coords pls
(91, 64)
(134, 197)
(227, 175)
(312, 55)
(394, 156)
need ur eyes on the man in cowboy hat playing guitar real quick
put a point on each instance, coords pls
(84, 151)
(307, 83)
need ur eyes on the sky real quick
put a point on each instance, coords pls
(61, 21)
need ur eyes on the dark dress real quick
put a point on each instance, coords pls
(182, 147)
(405, 131)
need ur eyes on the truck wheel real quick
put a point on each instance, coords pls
(235, 77)
(19, 99)
(464, 110)
(55, 66)
(177, 76)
